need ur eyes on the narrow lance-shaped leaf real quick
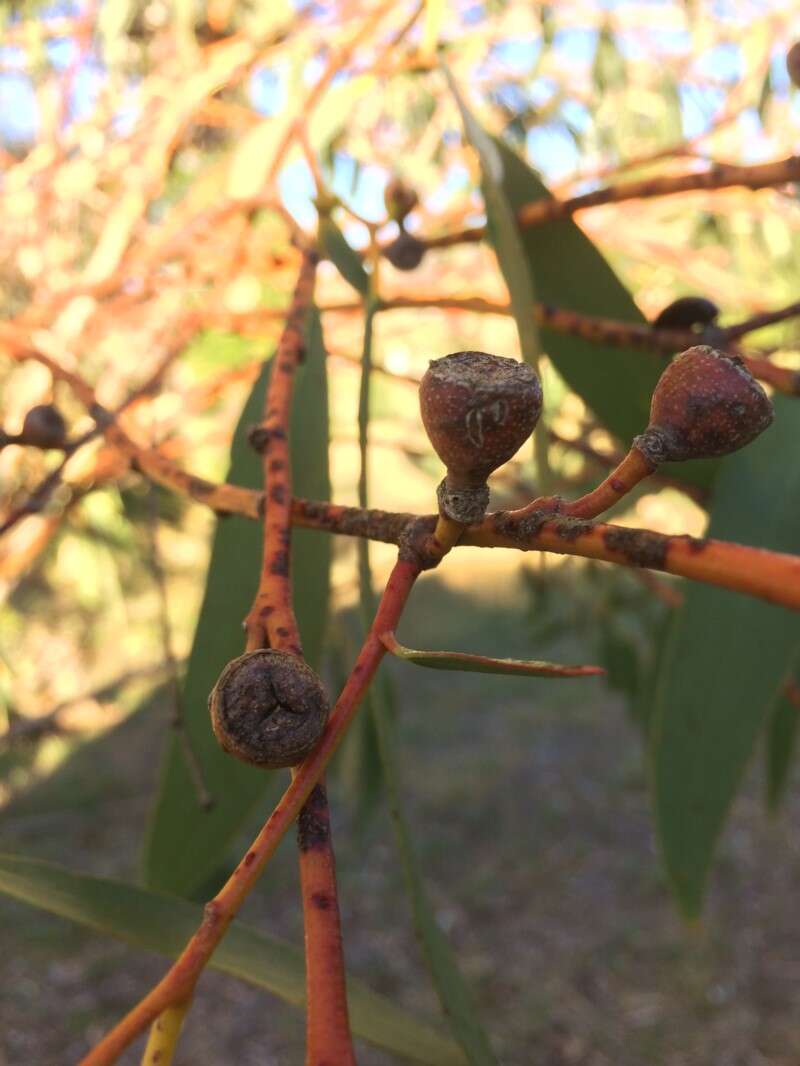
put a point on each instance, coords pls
(185, 844)
(727, 659)
(453, 992)
(484, 664)
(507, 241)
(362, 766)
(568, 271)
(163, 923)
(342, 255)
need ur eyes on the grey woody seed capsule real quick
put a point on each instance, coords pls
(268, 708)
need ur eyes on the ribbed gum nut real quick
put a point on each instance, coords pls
(268, 708)
(400, 199)
(706, 404)
(44, 427)
(793, 63)
(478, 410)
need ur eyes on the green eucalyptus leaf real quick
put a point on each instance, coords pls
(163, 923)
(782, 733)
(484, 664)
(346, 260)
(567, 271)
(454, 994)
(727, 659)
(609, 70)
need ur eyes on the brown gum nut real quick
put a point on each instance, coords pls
(478, 410)
(405, 252)
(400, 199)
(685, 312)
(268, 708)
(706, 404)
(793, 63)
(44, 427)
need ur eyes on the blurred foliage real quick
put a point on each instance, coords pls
(151, 190)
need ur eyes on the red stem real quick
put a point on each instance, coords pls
(272, 621)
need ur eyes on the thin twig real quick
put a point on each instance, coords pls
(271, 621)
(717, 176)
(38, 497)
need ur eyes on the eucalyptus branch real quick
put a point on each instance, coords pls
(717, 176)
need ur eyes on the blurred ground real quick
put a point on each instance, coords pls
(532, 817)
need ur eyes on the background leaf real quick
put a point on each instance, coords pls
(451, 988)
(186, 844)
(727, 658)
(570, 273)
(164, 924)
(781, 745)
(344, 258)
(484, 664)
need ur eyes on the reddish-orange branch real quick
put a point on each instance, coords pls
(622, 479)
(272, 621)
(771, 576)
(633, 469)
(328, 1036)
(272, 614)
(219, 913)
(718, 176)
(611, 331)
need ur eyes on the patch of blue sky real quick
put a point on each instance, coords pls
(552, 151)
(577, 114)
(471, 15)
(296, 185)
(267, 91)
(61, 51)
(456, 179)
(541, 90)
(129, 111)
(518, 56)
(755, 147)
(19, 112)
(577, 43)
(724, 61)
(365, 193)
(780, 75)
(13, 57)
(87, 84)
(698, 107)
